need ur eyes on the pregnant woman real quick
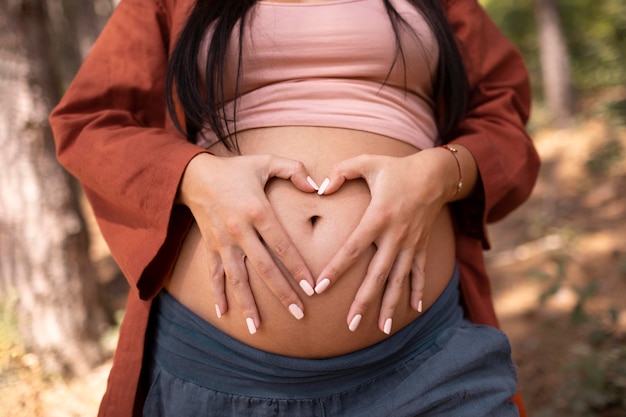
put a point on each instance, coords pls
(297, 240)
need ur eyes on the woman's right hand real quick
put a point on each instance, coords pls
(227, 199)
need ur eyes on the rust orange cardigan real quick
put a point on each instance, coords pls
(112, 132)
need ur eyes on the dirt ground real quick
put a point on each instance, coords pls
(558, 267)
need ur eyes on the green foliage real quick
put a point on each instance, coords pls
(556, 280)
(596, 35)
(594, 382)
(611, 152)
(595, 31)
(615, 111)
(604, 158)
(596, 379)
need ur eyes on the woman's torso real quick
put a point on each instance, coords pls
(332, 64)
(323, 332)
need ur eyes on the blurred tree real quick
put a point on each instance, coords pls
(555, 62)
(594, 32)
(44, 261)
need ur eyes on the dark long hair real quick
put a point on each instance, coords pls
(204, 106)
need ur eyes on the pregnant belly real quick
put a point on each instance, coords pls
(318, 226)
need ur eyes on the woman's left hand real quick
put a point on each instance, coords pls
(408, 194)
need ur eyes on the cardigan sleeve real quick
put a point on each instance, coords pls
(494, 128)
(112, 133)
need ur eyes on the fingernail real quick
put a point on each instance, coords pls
(251, 326)
(419, 306)
(323, 186)
(355, 322)
(306, 287)
(313, 184)
(218, 311)
(387, 327)
(296, 311)
(321, 287)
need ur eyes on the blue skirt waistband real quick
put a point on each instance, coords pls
(186, 346)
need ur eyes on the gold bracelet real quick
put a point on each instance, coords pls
(454, 151)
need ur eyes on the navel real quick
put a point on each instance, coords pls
(314, 219)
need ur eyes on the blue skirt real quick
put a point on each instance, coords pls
(439, 365)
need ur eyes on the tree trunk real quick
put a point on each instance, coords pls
(74, 25)
(44, 263)
(555, 63)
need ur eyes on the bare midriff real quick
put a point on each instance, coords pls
(318, 227)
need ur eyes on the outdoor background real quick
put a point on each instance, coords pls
(558, 264)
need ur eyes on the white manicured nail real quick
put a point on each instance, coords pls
(323, 186)
(296, 311)
(251, 326)
(355, 322)
(387, 327)
(419, 306)
(313, 184)
(306, 287)
(321, 287)
(218, 311)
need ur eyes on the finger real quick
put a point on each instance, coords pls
(361, 238)
(293, 170)
(418, 280)
(393, 291)
(217, 278)
(265, 266)
(349, 169)
(374, 283)
(281, 246)
(237, 277)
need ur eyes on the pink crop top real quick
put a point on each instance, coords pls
(327, 63)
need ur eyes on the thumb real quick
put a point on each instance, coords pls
(348, 169)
